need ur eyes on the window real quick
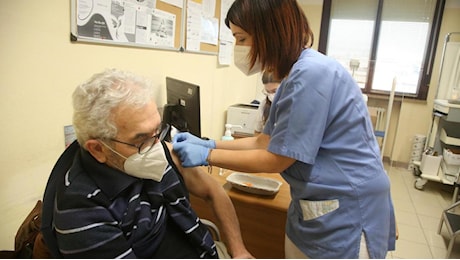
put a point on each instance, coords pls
(377, 40)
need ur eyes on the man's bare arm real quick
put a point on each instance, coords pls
(202, 185)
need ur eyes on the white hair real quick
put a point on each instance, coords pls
(95, 100)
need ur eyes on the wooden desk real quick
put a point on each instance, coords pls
(262, 218)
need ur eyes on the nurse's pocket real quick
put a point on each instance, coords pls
(315, 209)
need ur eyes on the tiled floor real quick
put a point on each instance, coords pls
(417, 216)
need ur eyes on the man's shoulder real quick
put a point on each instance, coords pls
(76, 187)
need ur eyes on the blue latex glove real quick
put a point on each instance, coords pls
(186, 137)
(190, 154)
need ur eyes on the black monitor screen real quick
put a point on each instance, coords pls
(183, 106)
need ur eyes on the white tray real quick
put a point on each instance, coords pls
(254, 184)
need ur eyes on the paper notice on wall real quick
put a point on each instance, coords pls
(208, 7)
(162, 28)
(193, 26)
(225, 34)
(209, 30)
(225, 52)
(69, 135)
(126, 21)
(178, 3)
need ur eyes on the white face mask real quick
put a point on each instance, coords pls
(150, 165)
(241, 58)
(271, 96)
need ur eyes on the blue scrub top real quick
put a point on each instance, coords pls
(339, 187)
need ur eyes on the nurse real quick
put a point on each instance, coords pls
(269, 90)
(318, 136)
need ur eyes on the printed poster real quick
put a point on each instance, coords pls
(126, 21)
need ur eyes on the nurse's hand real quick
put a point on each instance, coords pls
(190, 154)
(186, 137)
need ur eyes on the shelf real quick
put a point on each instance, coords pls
(448, 140)
(438, 178)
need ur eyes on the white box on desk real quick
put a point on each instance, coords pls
(430, 164)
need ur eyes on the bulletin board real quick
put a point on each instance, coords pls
(205, 48)
(154, 24)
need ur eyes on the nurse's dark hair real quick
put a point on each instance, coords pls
(279, 30)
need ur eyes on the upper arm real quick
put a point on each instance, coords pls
(198, 181)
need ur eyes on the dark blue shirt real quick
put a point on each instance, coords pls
(101, 212)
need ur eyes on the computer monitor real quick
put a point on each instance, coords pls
(183, 106)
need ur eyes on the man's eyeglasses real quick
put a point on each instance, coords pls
(147, 145)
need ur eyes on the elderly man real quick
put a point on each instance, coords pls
(126, 195)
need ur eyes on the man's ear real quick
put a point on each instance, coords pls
(96, 149)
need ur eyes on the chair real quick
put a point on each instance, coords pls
(451, 216)
(215, 233)
(213, 229)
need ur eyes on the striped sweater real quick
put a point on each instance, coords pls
(101, 212)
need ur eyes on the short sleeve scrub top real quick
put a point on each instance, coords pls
(339, 187)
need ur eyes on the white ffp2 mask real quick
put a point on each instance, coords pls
(150, 165)
(242, 62)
